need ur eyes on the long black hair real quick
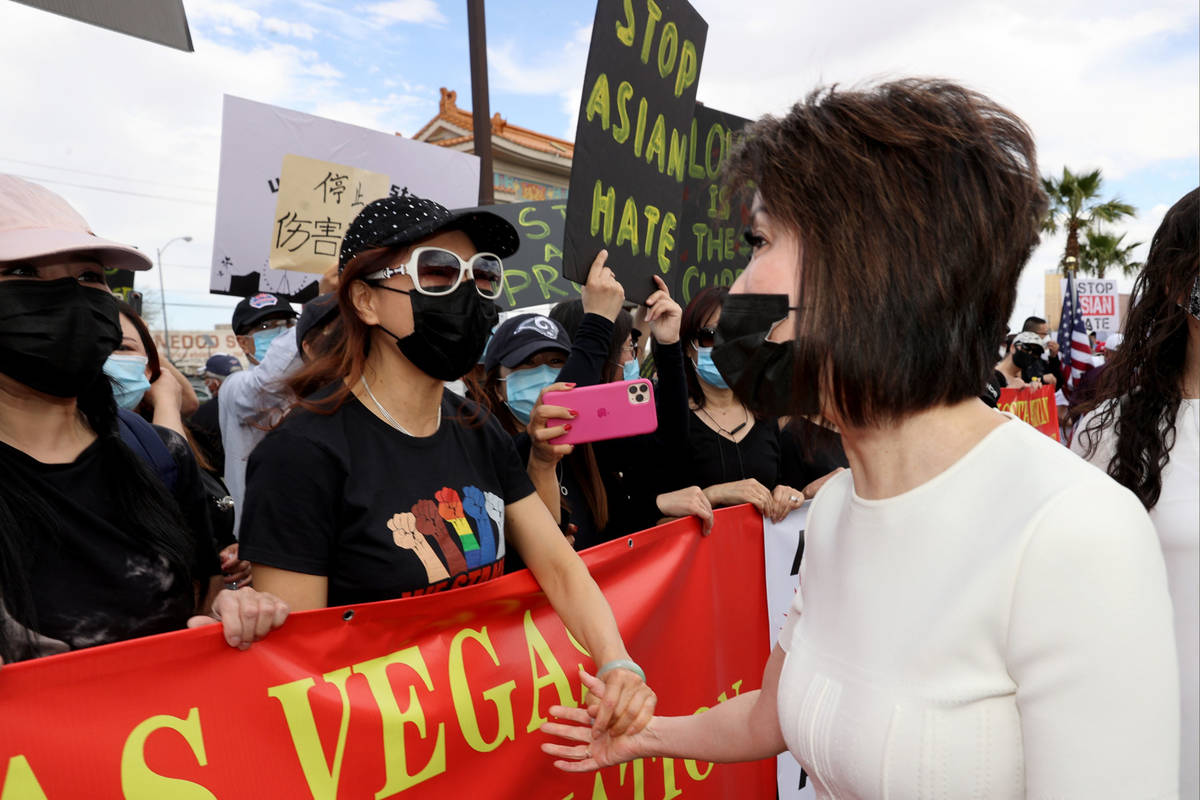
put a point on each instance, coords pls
(29, 526)
(1140, 389)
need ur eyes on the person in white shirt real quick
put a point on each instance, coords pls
(938, 645)
(1143, 429)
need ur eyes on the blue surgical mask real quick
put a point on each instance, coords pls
(523, 387)
(707, 370)
(262, 341)
(127, 373)
(629, 370)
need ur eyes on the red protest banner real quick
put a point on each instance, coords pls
(431, 696)
(1035, 406)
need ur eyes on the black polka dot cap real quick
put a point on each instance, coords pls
(398, 221)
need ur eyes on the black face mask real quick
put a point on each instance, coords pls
(55, 335)
(758, 371)
(449, 331)
(1024, 359)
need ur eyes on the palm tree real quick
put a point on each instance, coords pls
(1076, 206)
(1103, 251)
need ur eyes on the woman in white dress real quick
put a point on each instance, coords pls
(1144, 431)
(946, 640)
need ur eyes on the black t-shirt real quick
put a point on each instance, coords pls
(91, 583)
(380, 513)
(713, 458)
(205, 427)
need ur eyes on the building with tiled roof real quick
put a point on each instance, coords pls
(526, 165)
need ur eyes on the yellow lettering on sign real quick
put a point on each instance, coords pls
(625, 33)
(652, 215)
(654, 14)
(676, 161)
(628, 229)
(604, 208)
(322, 778)
(620, 132)
(669, 788)
(523, 219)
(639, 778)
(656, 148)
(688, 65)
(639, 135)
(19, 782)
(547, 278)
(668, 49)
(394, 720)
(554, 676)
(598, 101)
(515, 281)
(139, 782)
(666, 242)
(500, 696)
(717, 133)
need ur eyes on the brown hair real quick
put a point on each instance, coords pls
(152, 362)
(1140, 388)
(916, 204)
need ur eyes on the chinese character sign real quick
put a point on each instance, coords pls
(317, 201)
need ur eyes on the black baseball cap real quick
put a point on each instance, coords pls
(521, 336)
(259, 307)
(317, 313)
(397, 221)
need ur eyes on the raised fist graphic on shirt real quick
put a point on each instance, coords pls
(475, 505)
(450, 507)
(405, 534)
(429, 522)
(495, 510)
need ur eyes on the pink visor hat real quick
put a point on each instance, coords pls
(35, 222)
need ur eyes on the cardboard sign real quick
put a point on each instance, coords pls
(436, 696)
(1035, 406)
(632, 140)
(533, 274)
(1099, 300)
(317, 201)
(712, 250)
(255, 137)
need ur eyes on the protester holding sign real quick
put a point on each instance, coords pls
(92, 545)
(1143, 429)
(934, 645)
(383, 484)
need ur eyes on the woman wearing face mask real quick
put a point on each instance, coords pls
(937, 644)
(383, 484)
(93, 548)
(1143, 429)
(140, 383)
(735, 456)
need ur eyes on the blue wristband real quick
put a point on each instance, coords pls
(621, 663)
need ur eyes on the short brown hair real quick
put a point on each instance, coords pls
(917, 204)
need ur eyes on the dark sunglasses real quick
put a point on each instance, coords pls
(705, 337)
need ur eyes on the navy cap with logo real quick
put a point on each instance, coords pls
(221, 366)
(257, 308)
(399, 221)
(523, 335)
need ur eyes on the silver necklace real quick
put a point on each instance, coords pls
(388, 418)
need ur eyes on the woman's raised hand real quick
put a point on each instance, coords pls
(663, 314)
(603, 294)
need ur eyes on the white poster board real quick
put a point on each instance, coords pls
(781, 553)
(1100, 303)
(254, 139)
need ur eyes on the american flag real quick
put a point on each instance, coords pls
(1074, 346)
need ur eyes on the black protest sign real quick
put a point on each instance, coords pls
(631, 143)
(533, 274)
(712, 250)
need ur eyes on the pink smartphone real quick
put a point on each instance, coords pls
(606, 411)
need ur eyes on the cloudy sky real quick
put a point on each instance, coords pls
(129, 131)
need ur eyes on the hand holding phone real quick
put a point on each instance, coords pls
(607, 411)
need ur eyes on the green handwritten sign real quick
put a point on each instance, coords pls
(632, 140)
(533, 275)
(712, 250)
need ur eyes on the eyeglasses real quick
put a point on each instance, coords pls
(436, 271)
(706, 337)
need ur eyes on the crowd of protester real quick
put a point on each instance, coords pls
(394, 439)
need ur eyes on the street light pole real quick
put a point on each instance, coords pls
(162, 294)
